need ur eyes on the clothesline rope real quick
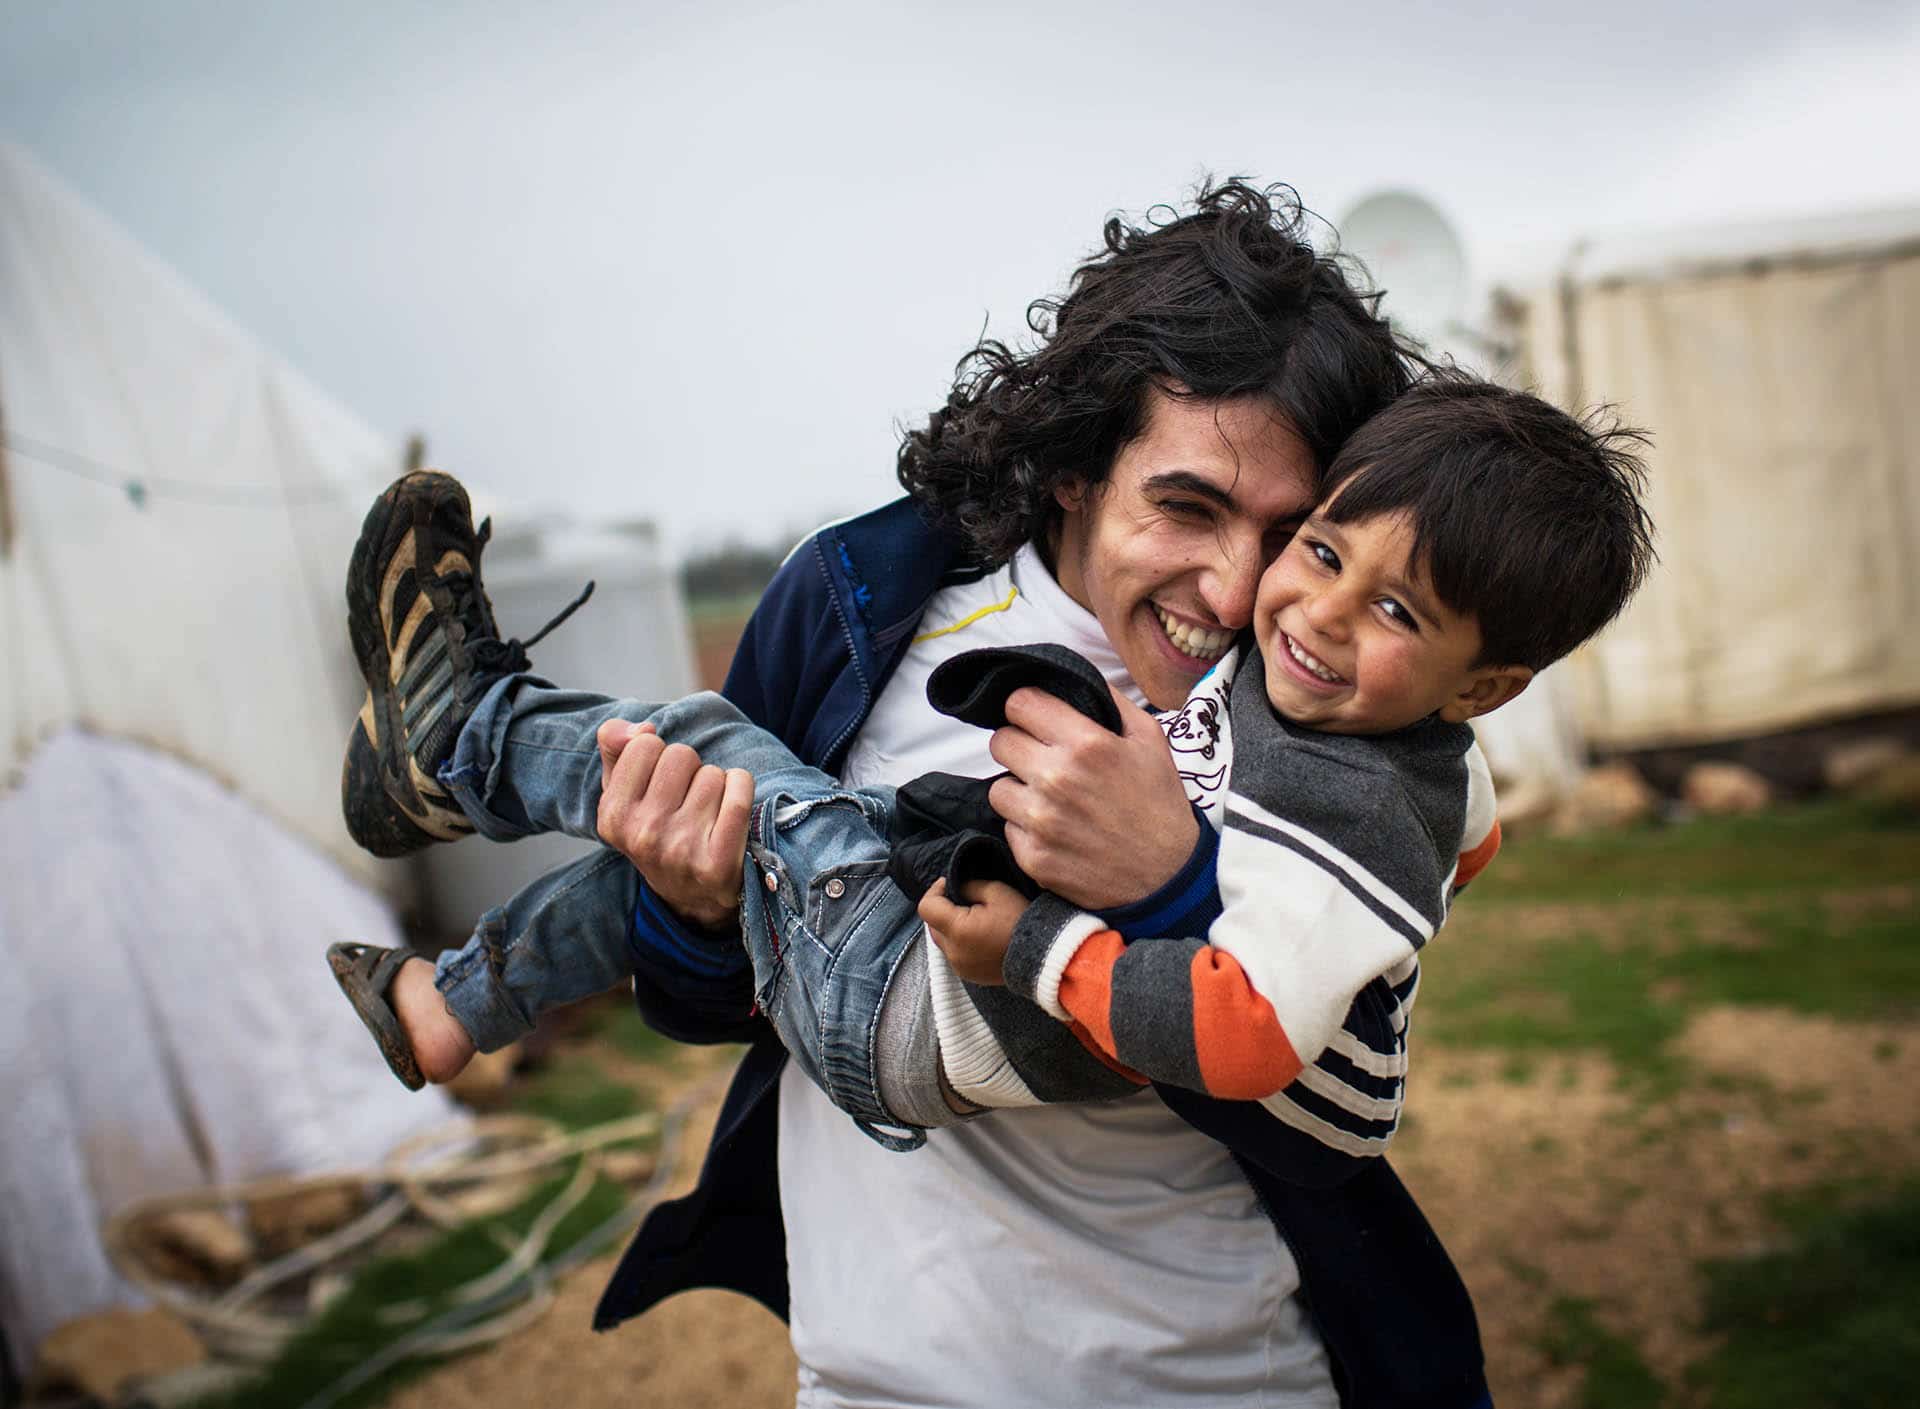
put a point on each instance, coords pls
(141, 487)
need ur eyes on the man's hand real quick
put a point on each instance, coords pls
(681, 822)
(974, 936)
(1098, 818)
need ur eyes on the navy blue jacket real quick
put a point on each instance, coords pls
(1396, 1319)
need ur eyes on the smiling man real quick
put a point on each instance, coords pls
(1119, 488)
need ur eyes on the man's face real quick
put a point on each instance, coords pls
(1167, 552)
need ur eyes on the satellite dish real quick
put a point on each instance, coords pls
(1412, 253)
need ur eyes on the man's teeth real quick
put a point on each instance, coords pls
(1195, 641)
(1312, 664)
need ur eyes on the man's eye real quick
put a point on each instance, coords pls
(1399, 613)
(1184, 508)
(1277, 538)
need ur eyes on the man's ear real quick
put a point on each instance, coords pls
(1486, 691)
(1070, 494)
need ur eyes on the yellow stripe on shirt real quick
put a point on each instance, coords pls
(971, 617)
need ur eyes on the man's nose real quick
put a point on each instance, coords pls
(1231, 583)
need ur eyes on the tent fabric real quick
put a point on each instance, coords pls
(200, 610)
(179, 508)
(1785, 485)
(176, 1024)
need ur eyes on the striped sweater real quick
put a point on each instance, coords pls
(1339, 856)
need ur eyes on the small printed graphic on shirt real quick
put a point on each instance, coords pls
(1198, 735)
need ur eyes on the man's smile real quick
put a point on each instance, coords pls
(1198, 642)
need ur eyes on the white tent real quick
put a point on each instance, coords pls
(1778, 368)
(176, 509)
(175, 514)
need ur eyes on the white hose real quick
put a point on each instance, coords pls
(507, 1298)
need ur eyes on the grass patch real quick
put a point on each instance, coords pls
(363, 1321)
(1833, 1320)
(1616, 1376)
(1597, 999)
(620, 1026)
(1829, 845)
(1629, 998)
(730, 609)
(1627, 964)
(1804, 958)
(573, 1092)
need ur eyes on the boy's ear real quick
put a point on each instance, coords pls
(1486, 691)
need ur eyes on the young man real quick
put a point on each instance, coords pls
(1068, 1237)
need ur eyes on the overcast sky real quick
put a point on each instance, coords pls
(699, 261)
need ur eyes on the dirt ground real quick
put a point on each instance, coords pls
(1545, 1187)
(1555, 1188)
(714, 642)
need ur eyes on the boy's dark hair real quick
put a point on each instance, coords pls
(1227, 301)
(1526, 519)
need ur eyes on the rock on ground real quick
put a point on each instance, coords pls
(1725, 789)
(1611, 796)
(100, 1355)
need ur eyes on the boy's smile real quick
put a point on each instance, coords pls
(1356, 640)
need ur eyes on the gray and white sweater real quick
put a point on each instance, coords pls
(1339, 856)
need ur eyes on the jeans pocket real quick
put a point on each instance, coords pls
(832, 862)
(840, 897)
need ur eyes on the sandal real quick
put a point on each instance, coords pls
(365, 972)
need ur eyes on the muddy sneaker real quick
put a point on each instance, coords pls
(424, 634)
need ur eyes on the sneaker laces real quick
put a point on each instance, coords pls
(491, 655)
(568, 610)
(467, 604)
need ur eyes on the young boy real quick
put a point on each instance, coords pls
(1467, 537)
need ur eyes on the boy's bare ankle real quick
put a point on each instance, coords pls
(440, 1045)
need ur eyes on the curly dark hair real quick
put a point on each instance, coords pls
(1229, 300)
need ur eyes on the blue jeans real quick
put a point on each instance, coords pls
(823, 927)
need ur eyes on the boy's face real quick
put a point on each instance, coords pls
(1356, 640)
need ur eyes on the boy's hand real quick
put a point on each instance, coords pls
(682, 823)
(974, 936)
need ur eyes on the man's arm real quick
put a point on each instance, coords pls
(695, 984)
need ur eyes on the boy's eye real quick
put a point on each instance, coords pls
(1399, 613)
(1326, 557)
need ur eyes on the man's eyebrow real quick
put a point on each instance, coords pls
(1188, 482)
